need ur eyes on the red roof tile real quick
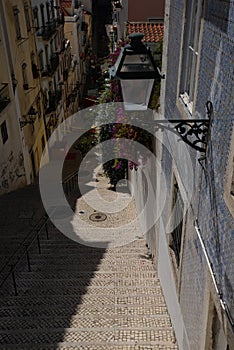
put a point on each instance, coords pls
(65, 4)
(153, 31)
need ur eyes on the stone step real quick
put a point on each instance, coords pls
(55, 237)
(35, 292)
(53, 258)
(66, 309)
(75, 321)
(108, 275)
(93, 346)
(92, 290)
(104, 298)
(61, 240)
(97, 335)
(89, 267)
(38, 285)
(63, 249)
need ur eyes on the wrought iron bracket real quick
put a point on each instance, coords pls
(194, 132)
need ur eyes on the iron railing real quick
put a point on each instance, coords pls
(54, 98)
(22, 251)
(70, 183)
(47, 30)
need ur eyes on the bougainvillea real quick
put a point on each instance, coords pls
(116, 168)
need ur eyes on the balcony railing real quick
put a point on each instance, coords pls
(54, 98)
(65, 74)
(49, 69)
(4, 96)
(48, 30)
(46, 71)
(54, 62)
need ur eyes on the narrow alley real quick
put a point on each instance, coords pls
(79, 297)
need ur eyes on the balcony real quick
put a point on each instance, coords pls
(48, 30)
(65, 74)
(4, 96)
(46, 71)
(54, 62)
(35, 71)
(54, 98)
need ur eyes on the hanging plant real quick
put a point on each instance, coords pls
(117, 168)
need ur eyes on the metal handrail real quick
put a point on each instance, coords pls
(25, 246)
(70, 182)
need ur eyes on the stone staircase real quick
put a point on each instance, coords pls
(79, 297)
(20, 210)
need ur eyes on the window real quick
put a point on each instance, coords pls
(27, 17)
(52, 8)
(176, 235)
(190, 51)
(51, 47)
(55, 42)
(17, 22)
(47, 55)
(42, 15)
(4, 132)
(42, 143)
(25, 77)
(35, 72)
(35, 18)
(41, 60)
(38, 103)
(48, 11)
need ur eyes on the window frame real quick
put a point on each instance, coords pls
(36, 18)
(48, 11)
(16, 12)
(52, 9)
(42, 16)
(27, 16)
(47, 55)
(4, 132)
(176, 203)
(24, 75)
(190, 52)
(177, 268)
(41, 65)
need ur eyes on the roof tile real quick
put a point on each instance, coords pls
(153, 31)
(65, 4)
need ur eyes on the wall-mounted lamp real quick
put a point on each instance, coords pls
(29, 118)
(136, 70)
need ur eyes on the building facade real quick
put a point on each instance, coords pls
(21, 60)
(78, 30)
(48, 25)
(192, 241)
(45, 50)
(12, 168)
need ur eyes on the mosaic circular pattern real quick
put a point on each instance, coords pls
(98, 217)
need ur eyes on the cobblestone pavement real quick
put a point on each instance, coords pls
(80, 297)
